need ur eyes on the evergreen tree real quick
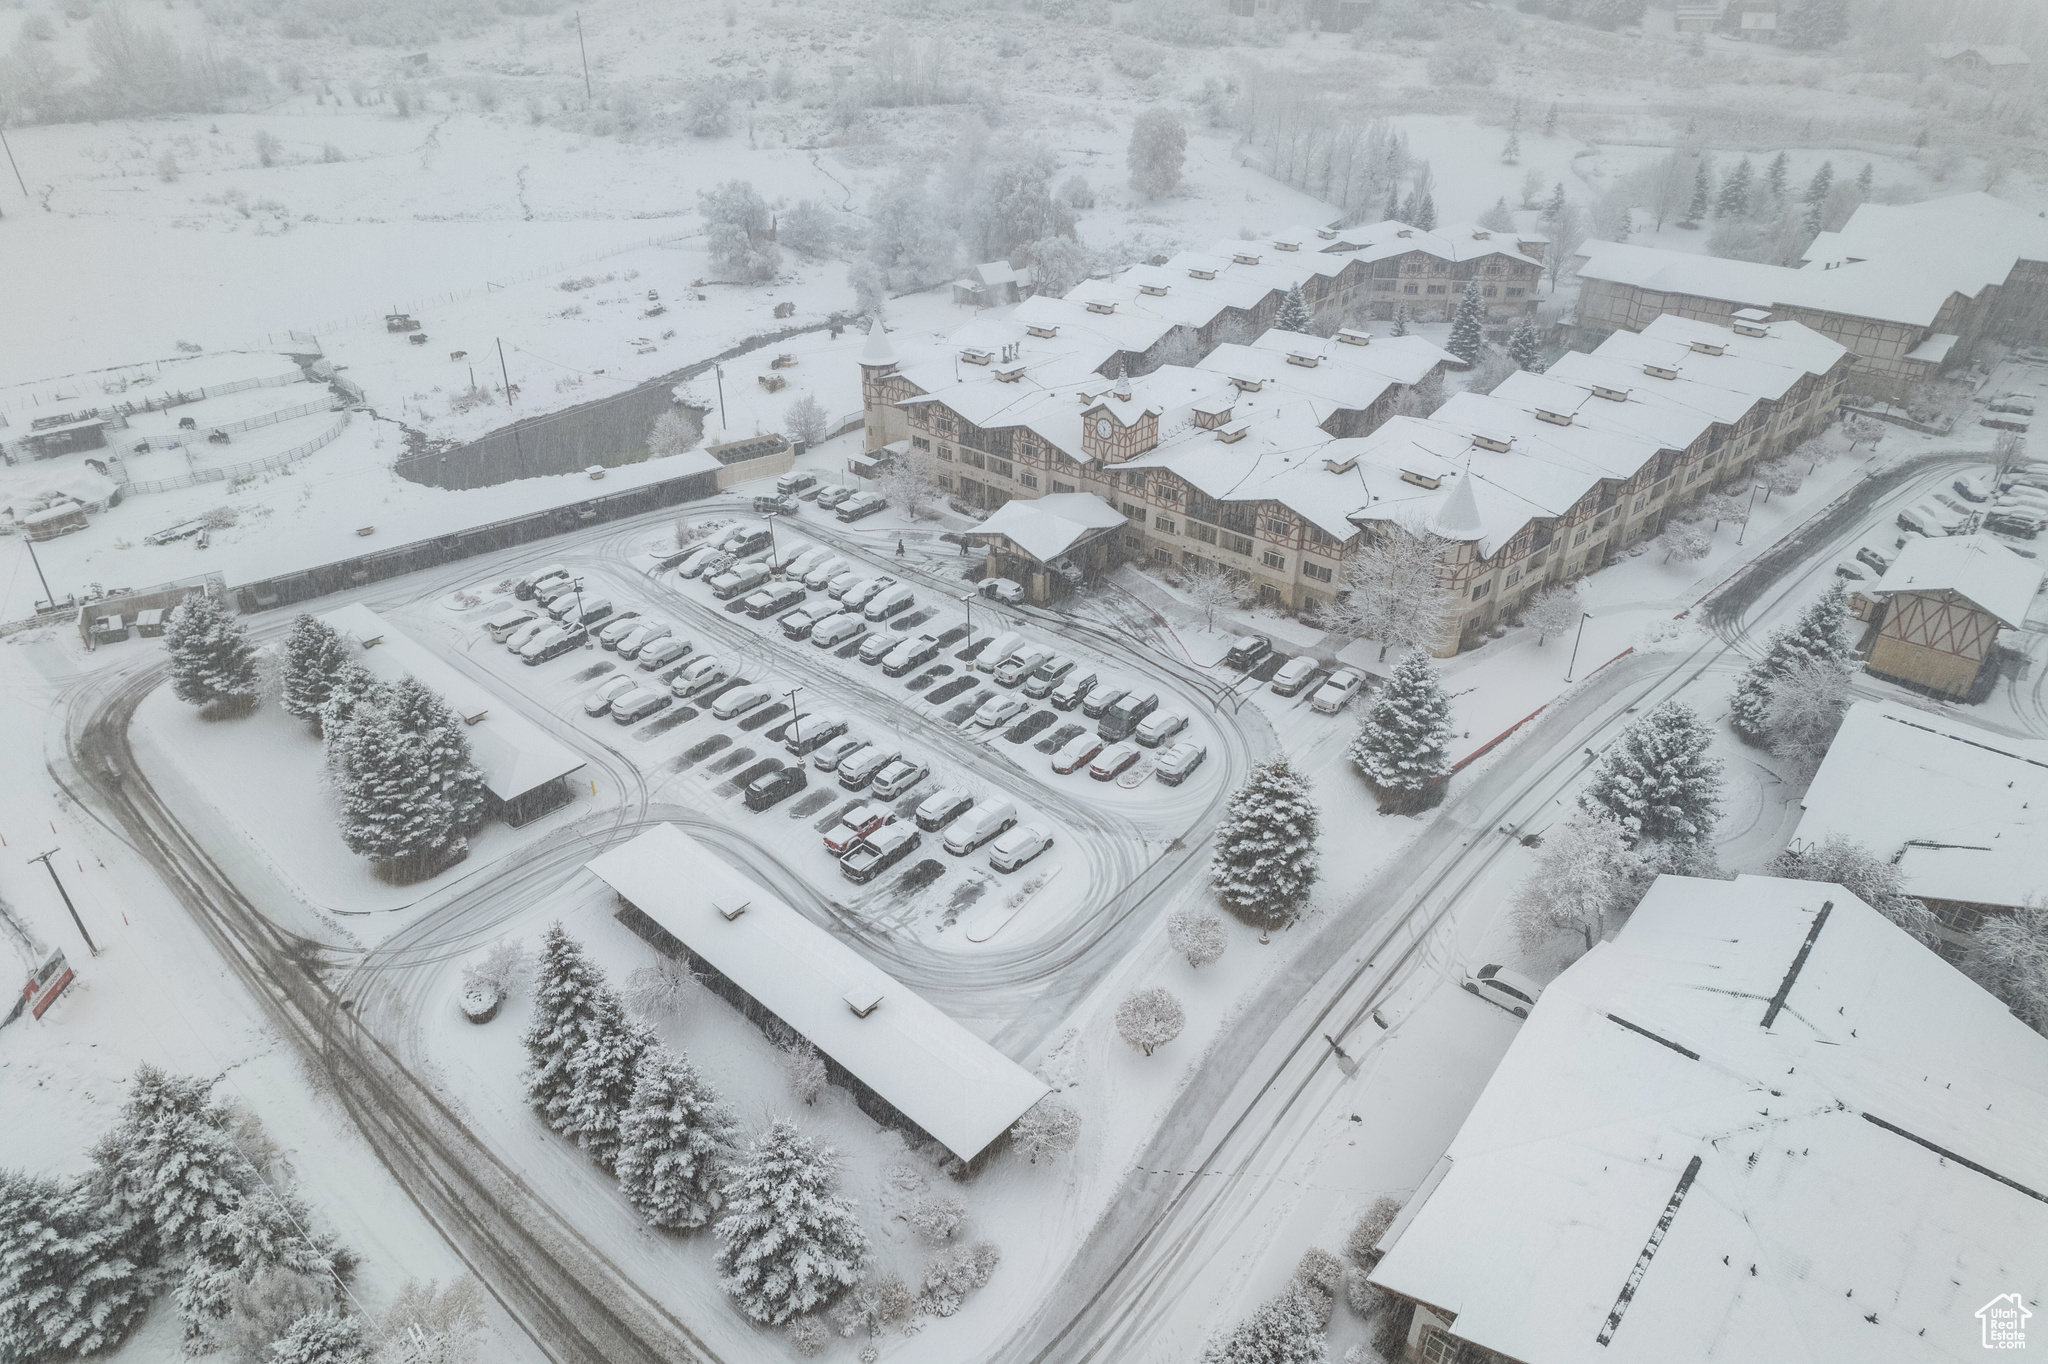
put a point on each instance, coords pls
(1702, 194)
(264, 1231)
(1524, 347)
(565, 995)
(1658, 779)
(420, 711)
(675, 1138)
(1734, 199)
(212, 661)
(1823, 181)
(1468, 335)
(1498, 218)
(1286, 1330)
(353, 686)
(1393, 203)
(1403, 745)
(1553, 208)
(1550, 122)
(166, 1168)
(1817, 23)
(787, 1242)
(1293, 315)
(1512, 153)
(1776, 178)
(392, 808)
(1402, 320)
(320, 1338)
(601, 1074)
(314, 656)
(65, 1289)
(1425, 212)
(1266, 861)
(1816, 637)
(1865, 178)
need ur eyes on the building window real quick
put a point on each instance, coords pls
(1514, 292)
(920, 443)
(944, 481)
(1439, 288)
(943, 425)
(1238, 544)
(999, 466)
(1514, 576)
(966, 456)
(1312, 569)
(1206, 534)
(1028, 479)
(1161, 554)
(1060, 487)
(1482, 589)
(1028, 450)
(1273, 559)
(1134, 511)
(1277, 525)
(1437, 1348)
(1488, 291)
(1164, 523)
(945, 451)
(1408, 289)
(1580, 538)
(1269, 594)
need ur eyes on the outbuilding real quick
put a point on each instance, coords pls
(1051, 544)
(1941, 605)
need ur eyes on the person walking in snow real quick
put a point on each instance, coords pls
(899, 547)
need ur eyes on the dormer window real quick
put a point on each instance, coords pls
(1155, 290)
(1043, 331)
(1405, 232)
(1245, 258)
(1612, 395)
(1749, 329)
(1100, 306)
(1544, 414)
(977, 357)
(1660, 372)
(1247, 385)
(1233, 433)
(1328, 234)
(1354, 338)
(1706, 348)
(1196, 272)
(1287, 246)
(1500, 445)
(1428, 481)
(1010, 374)
(1295, 357)
(1480, 236)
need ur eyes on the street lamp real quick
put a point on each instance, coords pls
(49, 597)
(1584, 616)
(1754, 489)
(967, 600)
(774, 556)
(576, 586)
(796, 737)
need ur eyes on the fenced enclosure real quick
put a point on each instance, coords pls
(247, 468)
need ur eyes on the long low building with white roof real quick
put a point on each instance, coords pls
(905, 1062)
(1761, 1124)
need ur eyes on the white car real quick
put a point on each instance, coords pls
(618, 627)
(1336, 693)
(1000, 710)
(608, 691)
(739, 700)
(700, 560)
(1511, 990)
(523, 636)
(1004, 590)
(699, 675)
(830, 634)
(633, 641)
(825, 571)
(1161, 725)
(1019, 846)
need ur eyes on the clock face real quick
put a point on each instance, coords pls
(1102, 427)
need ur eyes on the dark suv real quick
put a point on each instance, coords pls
(763, 792)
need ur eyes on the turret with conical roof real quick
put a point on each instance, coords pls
(877, 353)
(1458, 518)
(877, 402)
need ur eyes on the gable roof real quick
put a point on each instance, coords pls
(1762, 1123)
(1047, 527)
(1975, 567)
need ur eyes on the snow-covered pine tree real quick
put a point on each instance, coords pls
(1823, 181)
(1554, 206)
(1525, 348)
(165, 1168)
(788, 1243)
(1425, 212)
(1283, 1331)
(1393, 203)
(1266, 861)
(265, 1230)
(392, 809)
(1498, 218)
(601, 1071)
(1734, 198)
(1293, 315)
(1401, 320)
(420, 711)
(326, 1337)
(1468, 326)
(64, 1287)
(1550, 121)
(1817, 636)
(353, 686)
(1865, 178)
(212, 661)
(1512, 153)
(1702, 194)
(1403, 745)
(1658, 779)
(1777, 177)
(566, 987)
(314, 656)
(675, 1138)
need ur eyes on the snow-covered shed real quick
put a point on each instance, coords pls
(1981, 59)
(1950, 804)
(905, 1062)
(993, 284)
(1043, 540)
(1694, 1151)
(525, 769)
(1943, 602)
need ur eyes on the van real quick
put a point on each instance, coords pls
(1293, 675)
(505, 622)
(735, 581)
(990, 819)
(997, 651)
(892, 602)
(523, 589)
(1073, 691)
(1121, 719)
(1022, 663)
(790, 484)
(593, 610)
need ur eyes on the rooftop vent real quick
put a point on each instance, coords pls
(1352, 338)
(863, 1000)
(1334, 465)
(1328, 234)
(1010, 374)
(1405, 232)
(1500, 445)
(1286, 246)
(1421, 480)
(1544, 414)
(1101, 306)
(1295, 357)
(1612, 395)
(1480, 235)
(1197, 272)
(1043, 329)
(1706, 348)
(1155, 290)
(1232, 433)
(1245, 385)
(731, 909)
(1660, 372)
(977, 357)
(1245, 258)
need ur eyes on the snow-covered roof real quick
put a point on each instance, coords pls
(1762, 1123)
(514, 754)
(877, 350)
(935, 1072)
(1949, 802)
(1990, 56)
(1976, 567)
(1049, 526)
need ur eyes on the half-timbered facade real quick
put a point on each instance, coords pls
(1943, 602)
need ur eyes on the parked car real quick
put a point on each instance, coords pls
(776, 787)
(638, 704)
(1048, 675)
(799, 623)
(637, 640)
(1247, 650)
(1293, 675)
(860, 594)
(942, 807)
(843, 583)
(1852, 570)
(803, 563)
(832, 633)
(1122, 719)
(701, 559)
(911, 653)
(860, 505)
(522, 636)
(2021, 525)
(1001, 589)
(1511, 990)
(893, 601)
(1927, 518)
(1019, 846)
(877, 647)
(1875, 558)
(1974, 487)
(774, 601)
(562, 600)
(589, 614)
(828, 755)
(774, 504)
(876, 855)
(814, 733)
(554, 589)
(824, 571)
(1336, 693)
(524, 588)
(856, 824)
(1076, 753)
(1073, 691)
(1161, 725)
(609, 690)
(796, 482)
(998, 711)
(858, 769)
(784, 556)
(738, 580)
(899, 776)
(1112, 760)
(501, 626)
(1022, 664)
(834, 494)
(745, 541)
(700, 675)
(997, 651)
(617, 628)
(663, 652)
(1176, 763)
(1101, 697)
(990, 819)
(740, 700)
(553, 643)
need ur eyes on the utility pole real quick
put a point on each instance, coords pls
(586, 59)
(50, 867)
(1754, 489)
(49, 597)
(503, 373)
(719, 370)
(795, 737)
(10, 161)
(1584, 616)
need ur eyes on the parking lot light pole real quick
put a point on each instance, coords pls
(967, 600)
(1754, 489)
(774, 555)
(795, 735)
(1584, 616)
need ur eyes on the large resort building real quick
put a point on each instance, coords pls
(1274, 456)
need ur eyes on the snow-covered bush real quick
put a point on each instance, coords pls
(1266, 861)
(1048, 1128)
(808, 1336)
(1283, 1331)
(1685, 539)
(262, 1311)
(788, 1243)
(809, 229)
(1076, 192)
(1318, 1278)
(2009, 957)
(874, 1306)
(709, 111)
(953, 1273)
(448, 1321)
(671, 434)
(1462, 63)
(1149, 1019)
(935, 1217)
(803, 1070)
(1372, 1224)
(1874, 880)
(664, 988)
(1196, 935)
(1158, 150)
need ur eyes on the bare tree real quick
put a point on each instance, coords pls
(1212, 588)
(503, 969)
(1780, 476)
(427, 1322)
(1874, 880)
(1685, 540)
(2007, 450)
(1396, 589)
(667, 987)
(1668, 185)
(907, 482)
(1554, 611)
(1804, 709)
(1567, 235)
(1196, 935)
(2009, 957)
(1049, 1128)
(1586, 879)
(671, 434)
(806, 419)
(1150, 1019)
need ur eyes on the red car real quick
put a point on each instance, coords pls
(856, 825)
(1113, 760)
(1078, 752)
